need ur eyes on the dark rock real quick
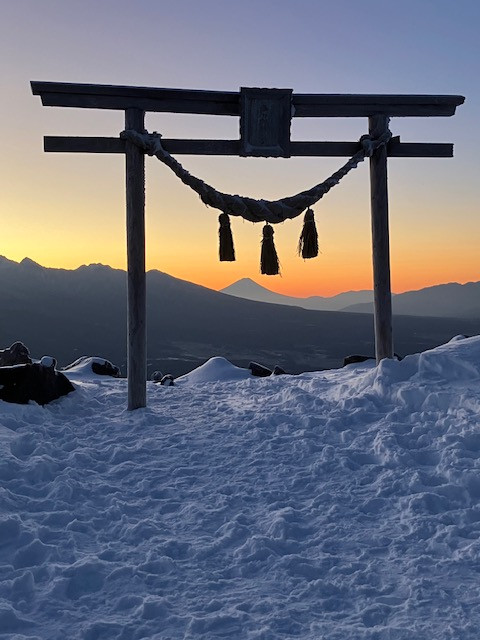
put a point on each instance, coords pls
(353, 359)
(278, 371)
(105, 368)
(17, 353)
(167, 380)
(259, 370)
(156, 376)
(48, 361)
(99, 366)
(356, 358)
(25, 382)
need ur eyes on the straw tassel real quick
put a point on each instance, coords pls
(226, 248)
(308, 243)
(269, 260)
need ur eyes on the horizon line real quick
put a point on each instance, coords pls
(221, 290)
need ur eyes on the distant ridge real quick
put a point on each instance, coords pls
(250, 290)
(450, 300)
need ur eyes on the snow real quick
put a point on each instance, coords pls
(81, 369)
(338, 505)
(215, 370)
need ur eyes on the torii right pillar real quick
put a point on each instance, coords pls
(382, 295)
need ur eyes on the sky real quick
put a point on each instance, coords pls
(65, 210)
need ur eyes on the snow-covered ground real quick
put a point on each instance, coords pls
(336, 505)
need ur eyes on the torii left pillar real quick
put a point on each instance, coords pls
(136, 279)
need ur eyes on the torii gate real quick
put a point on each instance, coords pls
(265, 116)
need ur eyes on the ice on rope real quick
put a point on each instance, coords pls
(338, 505)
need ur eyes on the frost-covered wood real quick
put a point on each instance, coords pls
(396, 149)
(265, 116)
(136, 281)
(382, 296)
(98, 96)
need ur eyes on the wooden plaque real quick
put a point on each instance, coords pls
(265, 116)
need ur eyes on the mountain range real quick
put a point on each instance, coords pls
(249, 290)
(70, 313)
(451, 300)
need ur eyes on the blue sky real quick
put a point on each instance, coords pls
(310, 46)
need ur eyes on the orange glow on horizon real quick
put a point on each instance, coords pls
(59, 223)
(298, 279)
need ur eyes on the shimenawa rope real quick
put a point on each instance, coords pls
(269, 211)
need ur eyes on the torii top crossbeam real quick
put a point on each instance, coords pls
(227, 103)
(265, 116)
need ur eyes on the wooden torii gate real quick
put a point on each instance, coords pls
(265, 116)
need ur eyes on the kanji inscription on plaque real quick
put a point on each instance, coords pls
(265, 116)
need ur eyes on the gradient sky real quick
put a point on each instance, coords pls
(64, 210)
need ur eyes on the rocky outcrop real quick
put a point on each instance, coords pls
(17, 353)
(41, 384)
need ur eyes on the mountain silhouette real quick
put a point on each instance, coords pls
(70, 313)
(450, 300)
(250, 290)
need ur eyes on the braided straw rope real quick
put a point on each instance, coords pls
(272, 211)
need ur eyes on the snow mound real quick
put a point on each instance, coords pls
(340, 504)
(447, 369)
(83, 368)
(216, 369)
